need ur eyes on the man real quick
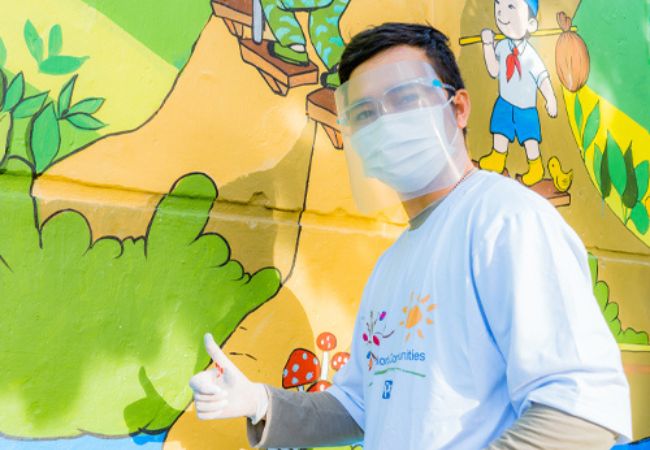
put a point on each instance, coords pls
(495, 338)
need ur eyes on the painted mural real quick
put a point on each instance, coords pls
(171, 168)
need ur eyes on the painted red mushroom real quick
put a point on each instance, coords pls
(339, 359)
(301, 368)
(326, 341)
(319, 386)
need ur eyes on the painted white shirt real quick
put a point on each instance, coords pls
(521, 90)
(484, 308)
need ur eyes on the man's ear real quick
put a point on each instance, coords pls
(462, 107)
(532, 25)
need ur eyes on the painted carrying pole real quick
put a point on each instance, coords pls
(257, 21)
(468, 40)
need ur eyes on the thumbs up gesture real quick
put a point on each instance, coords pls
(226, 392)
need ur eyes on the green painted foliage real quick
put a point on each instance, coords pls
(25, 101)
(85, 121)
(642, 179)
(639, 217)
(54, 63)
(610, 310)
(3, 53)
(591, 127)
(605, 179)
(66, 95)
(62, 64)
(30, 105)
(3, 87)
(44, 138)
(87, 106)
(5, 133)
(614, 168)
(55, 41)
(631, 191)
(578, 113)
(123, 318)
(15, 92)
(598, 161)
(33, 41)
(616, 164)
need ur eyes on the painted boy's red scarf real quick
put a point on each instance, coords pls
(512, 61)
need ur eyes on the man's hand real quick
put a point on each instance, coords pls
(487, 36)
(227, 393)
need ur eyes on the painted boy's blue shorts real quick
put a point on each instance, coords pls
(510, 121)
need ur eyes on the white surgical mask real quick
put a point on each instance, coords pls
(406, 150)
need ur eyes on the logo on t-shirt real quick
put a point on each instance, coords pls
(417, 316)
(376, 331)
(388, 385)
(418, 308)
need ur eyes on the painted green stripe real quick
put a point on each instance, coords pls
(619, 52)
(168, 28)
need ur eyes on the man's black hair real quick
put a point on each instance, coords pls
(368, 43)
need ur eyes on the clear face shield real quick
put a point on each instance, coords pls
(400, 134)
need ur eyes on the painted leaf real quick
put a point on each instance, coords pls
(611, 312)
(30, 105)
(65, 96)
(33, 41)
(55, 41)
(605, 181)
(5, 133)
(615, 323)
(14, 93)
(616, 164)
(593, 268)
(44, 137)
(3, 53)
(87, 106)
(642, 179)
(578, 114)
(631, 336)
(61, 65)
(3, 87)
(629, 196)
(598, 161)
(591, 127)
(601, 292)
(85, 121)
(640, 219)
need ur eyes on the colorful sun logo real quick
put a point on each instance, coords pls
(414, 314)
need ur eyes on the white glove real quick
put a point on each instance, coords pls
(229, 394)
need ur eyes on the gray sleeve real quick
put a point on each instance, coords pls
(543, 427)
(301, 419)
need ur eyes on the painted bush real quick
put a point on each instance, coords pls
(610, 310)
(111, 326)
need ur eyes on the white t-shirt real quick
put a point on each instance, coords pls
(484, 308)
(521, 90)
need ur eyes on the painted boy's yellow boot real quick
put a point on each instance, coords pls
(494, 161)
(535, 172)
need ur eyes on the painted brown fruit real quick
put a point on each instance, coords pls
(571, 56)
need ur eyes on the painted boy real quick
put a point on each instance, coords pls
(521, 72)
